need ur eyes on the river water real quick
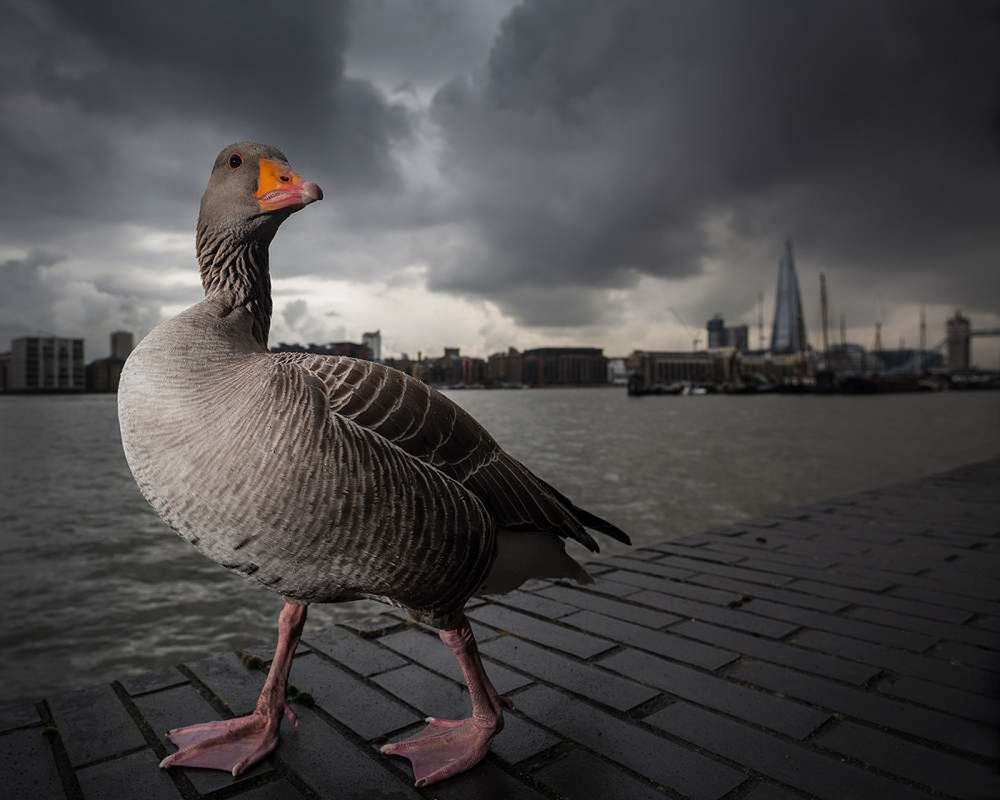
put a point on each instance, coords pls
(94, 587)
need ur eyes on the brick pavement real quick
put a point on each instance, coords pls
(845, 649)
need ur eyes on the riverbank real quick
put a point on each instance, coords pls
(843, 648)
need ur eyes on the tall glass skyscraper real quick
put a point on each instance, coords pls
(788, 335)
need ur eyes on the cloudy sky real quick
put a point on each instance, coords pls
(501, 173)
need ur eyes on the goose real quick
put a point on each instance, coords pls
(326, 478)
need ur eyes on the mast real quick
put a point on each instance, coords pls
(825, 314)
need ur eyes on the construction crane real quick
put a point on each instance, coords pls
(696, 339)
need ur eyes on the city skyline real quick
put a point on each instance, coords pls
(487, 187)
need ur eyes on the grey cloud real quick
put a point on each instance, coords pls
(598, 146)
(116, 111)
(40, 293)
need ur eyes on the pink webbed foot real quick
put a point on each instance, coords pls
(233, 745)
(447, 747)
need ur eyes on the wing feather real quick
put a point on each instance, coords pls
(428, 426)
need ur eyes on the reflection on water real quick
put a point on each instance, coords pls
(94, 587)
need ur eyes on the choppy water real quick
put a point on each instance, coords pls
(93, 586)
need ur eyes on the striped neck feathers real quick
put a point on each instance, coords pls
(234, 269)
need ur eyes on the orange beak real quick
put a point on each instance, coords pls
(279, 187)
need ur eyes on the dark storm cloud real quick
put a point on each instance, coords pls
(115, 111)
(641, 137)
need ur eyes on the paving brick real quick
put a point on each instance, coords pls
(732, 618)
(882, 578)
(679, 588)
(664, 643)
(177, 708)
(887, 602)
(378, 624)
(778, 652)
(233, 683)
(426, 691)
(610, 608)
(604, 585)
(360, 655)
(152, 681)
(276, 790)
(660, 760)
(969, 654)
(917, 642)
(27, 768)
(933, 725)
(428, 651)
(17, 715)
(987, 623)
(647, 567)
(838, 578)
(364, 710)
(932, 669)
(485, 782)
(927, 627)
(703, 553)
(950, 577)
(537, 630)
(770, 593)
(333, 766)
(584, 679)
(580, 774)
(975, 605)
(738, 573)
(803, 557)
(521, 739)
(817, 774)
(94, 724)
(948, 774)
(533, 604)
(785, 716)
(135, 775)
(769, 791)
(945, 698)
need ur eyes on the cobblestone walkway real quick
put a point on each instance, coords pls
(846, 649)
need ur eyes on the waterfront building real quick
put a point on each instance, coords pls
(664, 368)
(617, 371)
(564, 366)
(373, 341)
(122, 343)
(788, 333)
(504, 369)
(452, 369)
(959, 338)
(904, 361)
(46, 364)
(103, 374)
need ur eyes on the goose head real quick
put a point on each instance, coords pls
(251, 191)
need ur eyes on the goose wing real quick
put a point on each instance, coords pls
(430, 427)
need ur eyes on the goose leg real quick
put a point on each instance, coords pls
(235, 745)
(447, 747)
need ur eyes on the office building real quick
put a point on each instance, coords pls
(373, 341)
(564, 366)
(122, 344)
(722, 335)
(788, 333)
(46, 364)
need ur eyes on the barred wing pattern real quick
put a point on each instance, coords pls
(428, 426)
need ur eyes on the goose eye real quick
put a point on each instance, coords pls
(235, 161)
